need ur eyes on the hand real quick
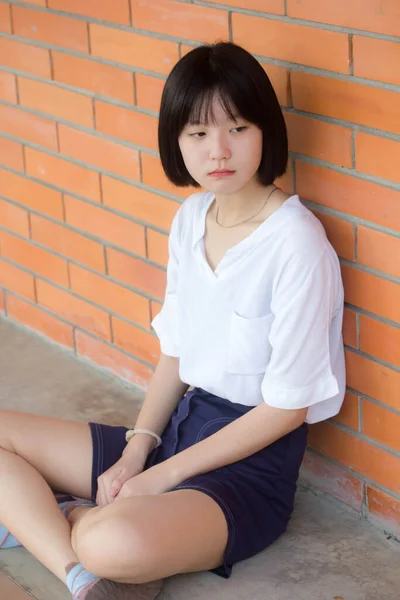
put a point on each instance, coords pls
(111, 481)
(153, 481)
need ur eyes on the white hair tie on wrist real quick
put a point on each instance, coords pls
(131, 432)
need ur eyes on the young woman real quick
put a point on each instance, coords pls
(251, 351)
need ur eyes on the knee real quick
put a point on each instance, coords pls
(110, 547)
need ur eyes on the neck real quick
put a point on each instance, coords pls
(235, 207)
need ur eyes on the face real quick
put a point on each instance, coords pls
(223, 156)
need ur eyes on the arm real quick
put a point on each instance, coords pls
(250, 433)
(166, 388)
(164, 392)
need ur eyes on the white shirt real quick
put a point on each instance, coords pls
(266, 326)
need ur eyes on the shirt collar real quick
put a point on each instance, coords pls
(199, 224)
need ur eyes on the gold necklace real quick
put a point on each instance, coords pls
(249, 219)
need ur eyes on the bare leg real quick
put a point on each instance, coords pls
(29, 510)
(36, 453)
(177, 532)
(160, 535)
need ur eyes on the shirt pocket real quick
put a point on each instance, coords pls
(249, 347)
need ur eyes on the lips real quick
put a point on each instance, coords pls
(222, 172)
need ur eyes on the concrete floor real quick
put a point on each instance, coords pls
(327, 553)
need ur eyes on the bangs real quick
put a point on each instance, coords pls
(201, 111)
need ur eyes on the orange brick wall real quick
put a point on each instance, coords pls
(85, 209)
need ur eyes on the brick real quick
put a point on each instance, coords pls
(376, 59)
(380, 340)
(346, 100)
(157, 247)
(372, 293)
(103, 224)
(286, 181)
(348, 194)
(34, 258)
(48, 98)
(74, 309)
(36, 318)
(279, 78)
(56, 30)
(37, 2)
(113, 360)
(11, 154)
(377, 156)
(155, 308)
(67, 242)
(149, 90)
(154, 176)
(133, 49)
(349, 413)
(203, 24)
(31, 194)
(185, 48)
(381, 425)
(101, 153)
(140, 343)
(116, 11)
(63, 174)
(14, 218)
(366, 15)
(17, 280)
(5, 18)
(333, 480)
(324, 141)
(384, 510)
(341, 234)
(111, 296)
(8, 87)
(378, 250)
(138, 203)
(350, 328)
(93, 76)
(2, 301)
(127, 125)
(276, 7)
(373, 379)
(24, 57)
(26, 126)
(292, 42)
(357, 454)
(136, 273)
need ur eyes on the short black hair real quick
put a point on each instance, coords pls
(243, 87)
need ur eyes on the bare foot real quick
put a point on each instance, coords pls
(103, 589)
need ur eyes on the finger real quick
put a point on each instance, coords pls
(98, 500)
(115, 485)
(102, 499)
(121, 493)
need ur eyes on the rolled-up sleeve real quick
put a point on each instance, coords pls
(299, 372)
(165, 324)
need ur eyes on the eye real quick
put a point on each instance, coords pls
(197, 134)
(239, 129)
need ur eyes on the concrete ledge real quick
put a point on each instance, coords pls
(327, 553)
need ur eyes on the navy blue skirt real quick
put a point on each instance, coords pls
(256, 494)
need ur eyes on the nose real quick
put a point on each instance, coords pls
(219, 147)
